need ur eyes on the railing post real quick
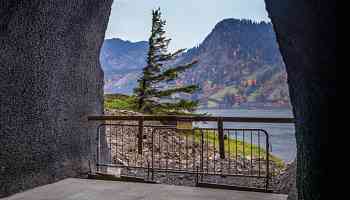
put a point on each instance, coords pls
(98, 149)
(221, 138)
(267, 162)
(202, 151)
(140, 136)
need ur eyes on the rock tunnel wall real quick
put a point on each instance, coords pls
(50, 81)
(306, 33)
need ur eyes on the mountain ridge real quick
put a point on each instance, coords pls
(239, 66)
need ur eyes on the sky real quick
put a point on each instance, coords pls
(188, 21)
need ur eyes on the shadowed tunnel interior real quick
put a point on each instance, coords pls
(51, 80)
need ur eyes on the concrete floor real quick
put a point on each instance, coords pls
(81, 189)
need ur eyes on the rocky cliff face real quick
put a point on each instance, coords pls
(50, 81)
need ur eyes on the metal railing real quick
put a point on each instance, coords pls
(202, 152)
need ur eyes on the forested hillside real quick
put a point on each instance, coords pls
(239, 65)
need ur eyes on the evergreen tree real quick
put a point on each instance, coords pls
(156, 87)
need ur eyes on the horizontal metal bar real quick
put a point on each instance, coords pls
(192, 119)
(163, 127)
(182, 171)
(145, 126)
(109, 177)
(232, 187)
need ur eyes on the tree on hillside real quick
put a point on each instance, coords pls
(156, 88)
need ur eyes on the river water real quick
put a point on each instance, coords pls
(282, 136)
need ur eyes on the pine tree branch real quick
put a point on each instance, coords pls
(179, 107)
(174, 72)
(187, 89)
(178, 52)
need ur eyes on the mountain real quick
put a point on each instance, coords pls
(122, 62)
(239, 65)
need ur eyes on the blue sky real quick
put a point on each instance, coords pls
(188, 21)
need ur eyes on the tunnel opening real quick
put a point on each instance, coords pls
(252, 75)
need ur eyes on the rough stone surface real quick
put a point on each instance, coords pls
(306, 32)
(287, 182)
(50, 81)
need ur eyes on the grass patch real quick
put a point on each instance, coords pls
(125, 102)
(120, 102)
(233, 146)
